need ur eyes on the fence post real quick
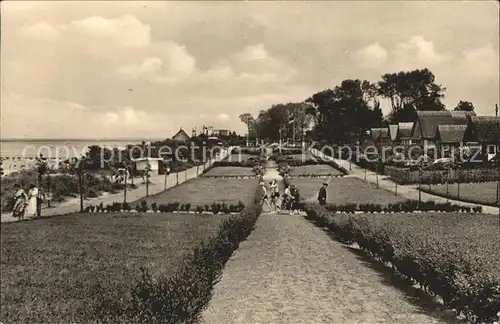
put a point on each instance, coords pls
(177, 176)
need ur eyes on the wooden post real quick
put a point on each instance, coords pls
(177, 176)
(458, 182)
(185, 174)
(125, 189)
(80, 183)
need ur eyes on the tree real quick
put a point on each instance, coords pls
(410, 91)
(248, 120)
(464, 106)
(77, 166)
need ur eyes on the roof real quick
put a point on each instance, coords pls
(404, 130)
(393, 131)
(181, 135)
(379, 133)
(451, 133)
(147, 159)
(429, 120)
(486, 129)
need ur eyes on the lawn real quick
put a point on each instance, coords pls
(235, 157)
(51, 275)
(345, 191)
(229, 171)
(479, 193)
(314, 170)
(202, 191)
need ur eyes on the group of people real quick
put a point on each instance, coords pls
(25, 204)
(276, 202)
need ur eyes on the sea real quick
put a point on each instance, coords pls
(17, 154)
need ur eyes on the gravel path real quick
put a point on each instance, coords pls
(290, 271)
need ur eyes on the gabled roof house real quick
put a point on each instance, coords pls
(485, 131)
(425, 127)
(181, 136)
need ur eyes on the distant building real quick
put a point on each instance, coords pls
(380, 136)
(401, 133)
(485, 130)
(221, 132)
(155, 164)
(181, 136)
(425, 127)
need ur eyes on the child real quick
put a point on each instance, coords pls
(264, 197)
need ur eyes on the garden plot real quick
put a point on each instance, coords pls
(314, 170)
(229, 171)
(346, 191)
(235, 157)
(480, 193)
(62, 269)
(205, 191)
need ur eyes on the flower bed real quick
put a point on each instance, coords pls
(454, 256)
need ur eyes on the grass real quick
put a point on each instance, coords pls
(346, 191)
(60, 269)
(240, 157)
(314, 170)
(484, 193)
(202, 191)
(228, 171)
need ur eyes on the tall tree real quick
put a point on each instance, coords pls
(410, 91)
(248, 120)
(464, 106)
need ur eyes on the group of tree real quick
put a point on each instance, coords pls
(346, 112)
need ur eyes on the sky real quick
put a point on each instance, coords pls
(91, 69)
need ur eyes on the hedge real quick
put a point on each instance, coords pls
(171, 207)
(454, 256)
(181, 297)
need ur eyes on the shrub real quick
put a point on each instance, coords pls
(144, 206)
(92, 208)
(138, 208)
(154, 207)
(225, 208)
(199, 209)
(452, 256)
(188, 206)
(126, 207)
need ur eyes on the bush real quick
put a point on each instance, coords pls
(453, 256)
(126, 207)
(199, 209)
(181, 297)
(144, 206)
(154, 207)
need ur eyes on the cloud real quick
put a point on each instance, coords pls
(42, 31)
(223, 117)
(372, 56)
(127, 30)
(179, 59)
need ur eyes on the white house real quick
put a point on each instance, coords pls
(154, 164)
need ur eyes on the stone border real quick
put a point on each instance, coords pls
(133, 211)
(316, 176)
(231, 177)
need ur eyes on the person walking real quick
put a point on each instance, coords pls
(287, 198)
(20, 202)
(264, 196)
(32, 201)
(295, 200)
(275, 195)
(322, 194)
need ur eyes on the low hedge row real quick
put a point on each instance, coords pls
(143, 207)
(181, 297)
(454, 256)
(407, 206)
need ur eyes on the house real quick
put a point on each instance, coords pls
(425, 127)
(181, 136)
(449, 136)
(485, 131)
(380, 136)
(221, 132)
(401, 133)
(155, 164)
